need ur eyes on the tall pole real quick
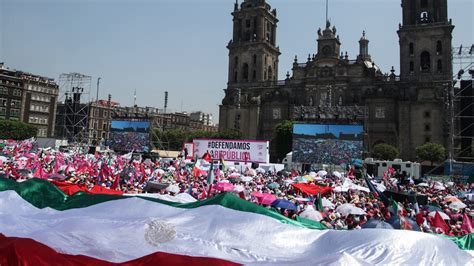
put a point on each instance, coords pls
(135, 98)
(97, 95)
(327, 9)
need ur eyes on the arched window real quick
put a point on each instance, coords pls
(412, 49)
(245, 72)
(425, 61)
(270, 73)
(236, 75)
(254, 75)
(439, 66)
(254, 59)
(424, 16)
(412, 66)
(439, 47)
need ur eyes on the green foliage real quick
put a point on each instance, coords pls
(385, 152)
(173, 139)
(284, 138)
(431, 152)
(16, 130)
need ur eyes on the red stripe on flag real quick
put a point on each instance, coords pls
(26, 251)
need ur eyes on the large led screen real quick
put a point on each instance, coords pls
(130, 136)
(327, 144)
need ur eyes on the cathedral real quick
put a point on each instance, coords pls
(404, 110)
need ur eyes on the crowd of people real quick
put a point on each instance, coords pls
(336, 151)
(337, 200)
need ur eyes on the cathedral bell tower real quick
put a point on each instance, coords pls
(329, 45)
(425, 41)
(253, 54)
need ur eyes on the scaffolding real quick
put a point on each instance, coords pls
(74, 108)
(462, 104)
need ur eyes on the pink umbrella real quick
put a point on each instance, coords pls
(234, 175)
(267, 199)
(257, 194)
(224, 187)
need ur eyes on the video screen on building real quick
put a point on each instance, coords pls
(327, 144)
(127, 136)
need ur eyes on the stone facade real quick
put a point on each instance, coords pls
(28, 98)
(329, 87)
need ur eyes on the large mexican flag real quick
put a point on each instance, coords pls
(40, 225)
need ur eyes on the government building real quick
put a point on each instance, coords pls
(405, 110)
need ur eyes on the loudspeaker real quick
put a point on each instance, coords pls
(92, 149)
(255, 165)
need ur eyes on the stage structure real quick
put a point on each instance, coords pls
(74, 112)
(462, 104)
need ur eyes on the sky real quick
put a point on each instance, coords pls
(307, 129)
(153, 46)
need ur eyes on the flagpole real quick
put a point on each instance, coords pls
(210, 181)
(327, 10)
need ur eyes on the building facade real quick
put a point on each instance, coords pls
(204, 118)
(405, 110)
(29, 98)
(11, 94)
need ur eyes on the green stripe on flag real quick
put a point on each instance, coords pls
(41, 194)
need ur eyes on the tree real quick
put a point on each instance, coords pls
(385, 151)
(16, 130)
(284, 138)
(230, 134)
(431, 152)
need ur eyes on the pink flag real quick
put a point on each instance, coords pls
(467, 224)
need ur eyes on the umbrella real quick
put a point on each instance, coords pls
(160, 171)
(260, 170)
(423, 185)
(322, 173)
(308, 177)
(442, 214)
(246, 178)
(312, 214)
(234, 175)
(221, 186)
(239, 188)
(257, 194)
(173, 189)
(56, 176)
(171, 168)
(432, 208)
(395, 222)
(347, 208)
(273, 185)
(250, 172)
(457, 205)
(313, 174)
(300, 179)
(378, 224)
(327, 203)
(284, 204)
(267, 199)
(451, 199)
(337, 174)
